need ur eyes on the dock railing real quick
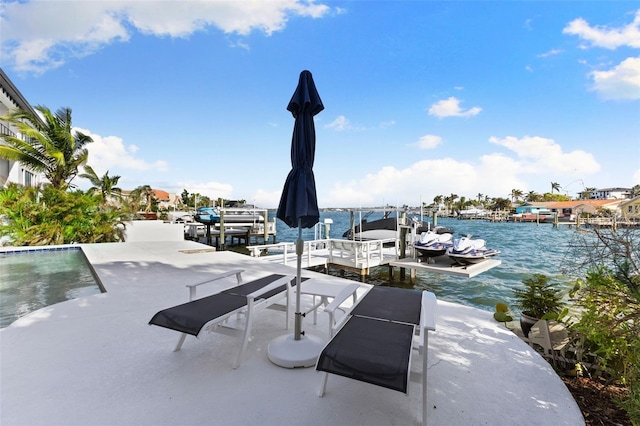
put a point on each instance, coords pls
(348, 253)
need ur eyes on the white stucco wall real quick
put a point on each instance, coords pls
(153, 230)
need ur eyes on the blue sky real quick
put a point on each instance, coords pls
(422, 98)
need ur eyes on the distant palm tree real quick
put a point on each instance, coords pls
(533, 196)
(106, 184)
(449, 201)
(501, 204)
(50, 146)
(462, 204)
(144, 194)
(585, 194)
(515, 195)
(555, 186)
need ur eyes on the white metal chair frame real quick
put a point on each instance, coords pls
(421, 344)
(255, 304)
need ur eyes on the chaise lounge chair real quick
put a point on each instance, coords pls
(376, 341)
(214, 311)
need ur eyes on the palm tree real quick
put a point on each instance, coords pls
(555, 186)
(50, 146)
(145, 194)
(437, 200)
(586, 193)
(106, 184)
(501, 204)
(448, 201)
(515, 195)
(533, 196)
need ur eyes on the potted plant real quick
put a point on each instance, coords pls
(539, 299)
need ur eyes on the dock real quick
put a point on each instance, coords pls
(356, 256)
(444, 265)
(217, 235)
(361, 256)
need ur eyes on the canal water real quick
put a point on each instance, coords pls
(525, 249)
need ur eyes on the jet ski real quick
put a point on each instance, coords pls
(432, 244)
(467, 251)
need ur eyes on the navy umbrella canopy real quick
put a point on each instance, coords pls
(299, 202)
(299, 208)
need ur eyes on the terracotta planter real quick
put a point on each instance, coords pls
(526, 322)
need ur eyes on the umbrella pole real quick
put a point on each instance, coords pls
(299, 249)
(299, 350)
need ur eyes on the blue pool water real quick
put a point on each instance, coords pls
(526, 248)
(30, 280)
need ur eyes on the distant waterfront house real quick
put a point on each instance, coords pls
(610, 193)
(570, 209)
(531, 212)
(631, 208)
(533, 208)
(12, 171)
(163, 198)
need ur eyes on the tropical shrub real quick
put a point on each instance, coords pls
(34, 216)
(609, 298)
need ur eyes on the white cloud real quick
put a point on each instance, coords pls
(429, 141)
(40, 35)
(620, 82)
(608, 38)
(386, 124)
(339, 124)
(623, 80)
(213, 190)
(540, 155)
(110, 153)
(451, 108)
(422, 180)
(266, 199)
(529, 165)
(551, 52)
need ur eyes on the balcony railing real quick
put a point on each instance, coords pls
(4, 130)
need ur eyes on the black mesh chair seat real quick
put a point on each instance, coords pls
(372, 351)
(392, 304)
(376, 342)
(190, 317)
(249, 299)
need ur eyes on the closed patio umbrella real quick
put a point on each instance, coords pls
(299, 208)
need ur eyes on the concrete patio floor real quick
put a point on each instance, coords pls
(95, 361)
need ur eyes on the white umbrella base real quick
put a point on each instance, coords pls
(285, 351)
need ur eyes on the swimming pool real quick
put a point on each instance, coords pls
(33, 279)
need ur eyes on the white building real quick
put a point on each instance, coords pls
(610, 194)
(11, 171)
